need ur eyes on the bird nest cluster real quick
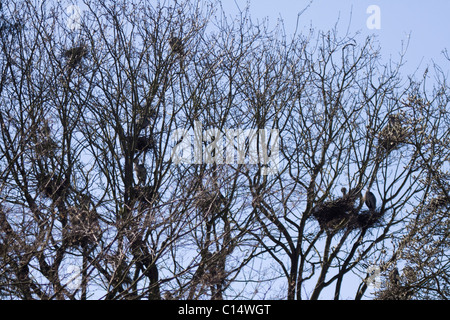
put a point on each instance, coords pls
(146, 195)
(82, 229)
(209, 201)
(46, 147)
(340, 214)
(75, 54)
(51, 185)
(141, 143)
(334, 215)
(365, 219)
(393, 135)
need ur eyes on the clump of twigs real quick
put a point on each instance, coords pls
(82, 228)
(364, 219)
(438, 202)
(334, 215)
(74, 55)
(146, 195)
(393, 134)
(142, 143)
(341, 213)
(209, 201)
(51, 186)
(206, 196)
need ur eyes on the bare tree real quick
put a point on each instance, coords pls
(98, 202)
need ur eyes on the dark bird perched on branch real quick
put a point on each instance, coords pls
(370, 200)
(145, 118)
(366, 218)
(141, 171)
(394, 277)
(145, 122)
(44, 130)
(177, 46)
(45, 145)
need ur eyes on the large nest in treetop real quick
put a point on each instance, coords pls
(46, 147)
(393, 135)
(142, 143)
(209, 201)
(206, 195)
(364, 219)
(341, 214)
(333, 215)
(146, 195)
(51, 185)
(82, 228)
(75, 54)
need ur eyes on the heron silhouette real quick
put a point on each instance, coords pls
(141, 171)
(370, 200)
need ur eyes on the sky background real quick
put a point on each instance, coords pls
(426, 22)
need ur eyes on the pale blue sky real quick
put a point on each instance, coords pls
(426, 21)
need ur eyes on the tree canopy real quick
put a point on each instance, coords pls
(93, 204)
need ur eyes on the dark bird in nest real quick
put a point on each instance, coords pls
(370, 200)
(75, 54)
(394, 277)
